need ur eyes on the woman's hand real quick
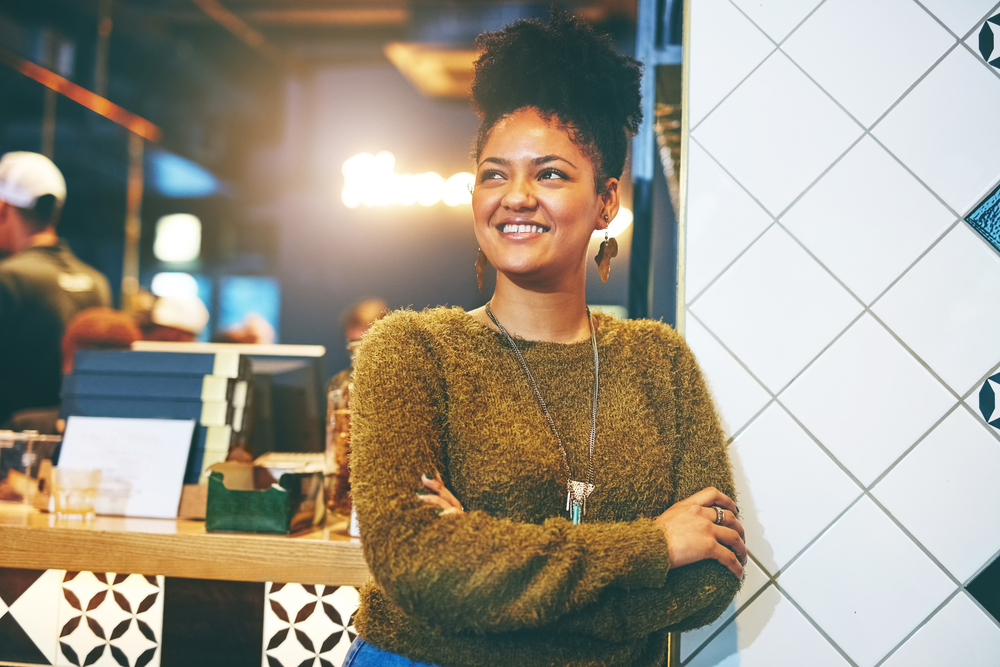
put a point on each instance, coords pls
(693, 532)
(441, 498)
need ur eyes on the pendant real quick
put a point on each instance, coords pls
(576, 499)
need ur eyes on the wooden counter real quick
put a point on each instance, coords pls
(175, 548)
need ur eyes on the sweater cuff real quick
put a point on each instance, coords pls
(650, 560)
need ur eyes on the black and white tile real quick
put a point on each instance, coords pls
(308, 625)
(29, 602)
(109, 619)
(989, 41)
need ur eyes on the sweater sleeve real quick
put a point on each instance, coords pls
(469, 572)
(696, 594)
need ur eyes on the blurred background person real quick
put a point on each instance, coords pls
(42, 283)
(98, 328)
(361, 316)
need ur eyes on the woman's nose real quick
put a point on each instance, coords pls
(520, 194)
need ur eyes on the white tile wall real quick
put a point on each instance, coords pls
(866, 220)
(868, 75)
(944, 130)
(959, 634)
(947, 490)
(831, 279)
(775, 150)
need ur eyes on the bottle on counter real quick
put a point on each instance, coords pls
(338, 438)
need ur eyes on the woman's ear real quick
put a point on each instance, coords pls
(610, 202)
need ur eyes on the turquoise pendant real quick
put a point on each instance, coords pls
(576, 500)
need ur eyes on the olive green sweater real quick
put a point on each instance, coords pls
(512, 581)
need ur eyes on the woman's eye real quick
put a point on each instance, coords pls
(490, 176)
(551, 175)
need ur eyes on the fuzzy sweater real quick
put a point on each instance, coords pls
(512, 581)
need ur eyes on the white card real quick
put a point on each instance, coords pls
(142, 462)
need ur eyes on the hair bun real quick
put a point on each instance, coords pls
(563, 66)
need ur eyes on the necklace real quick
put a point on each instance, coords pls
(576, 492)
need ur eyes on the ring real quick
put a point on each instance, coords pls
(720, 516)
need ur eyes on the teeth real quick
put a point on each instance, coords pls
(510, 228)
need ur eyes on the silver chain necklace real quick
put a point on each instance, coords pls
(576, 492)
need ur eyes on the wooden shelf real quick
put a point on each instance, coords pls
(176, 548)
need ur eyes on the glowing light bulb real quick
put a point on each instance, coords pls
(178, 238)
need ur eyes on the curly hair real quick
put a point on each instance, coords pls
(567, 70)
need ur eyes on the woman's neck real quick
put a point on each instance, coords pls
(556, 316)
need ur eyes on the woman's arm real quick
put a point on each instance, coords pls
(466, 571)
(697, 593)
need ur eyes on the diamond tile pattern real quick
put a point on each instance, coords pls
(776, 281)
(777, 17)
(958, 159)
(987, 41)
(28, 603)
(717, 71)
(729, 220)
(959, 634)
(879, 215)
(867, 219)
(869, 76)
(932, 490)
(867, 425)
(308, 626)
(957, 282)
(781, 119)
(110, 619)
(769, 459)
(857, 583)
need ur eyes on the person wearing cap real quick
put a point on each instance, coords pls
(176, 319)
(42, 283)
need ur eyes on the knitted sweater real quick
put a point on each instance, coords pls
(512, 581)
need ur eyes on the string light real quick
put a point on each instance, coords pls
(371, 180)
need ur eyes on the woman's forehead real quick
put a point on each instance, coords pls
(526, 134)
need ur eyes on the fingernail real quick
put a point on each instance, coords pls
(430, 477)
(422, 493)
(439, 510)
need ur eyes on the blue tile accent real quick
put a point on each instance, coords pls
(985, 218)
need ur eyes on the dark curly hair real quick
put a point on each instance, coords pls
(567, 70)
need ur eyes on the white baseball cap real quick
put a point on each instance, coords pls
(24, 177)
(186, 312)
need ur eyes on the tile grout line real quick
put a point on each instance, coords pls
(913, 446)
(920, 626)
(791, 561)
(867, 493)
(983, 609)
(913, 85)
(776, 48)
(919, 180)
(740, 609)
(918, 543)
(815, 625)
(734, 89)
(982, 568)
(916, 356)
(916, 261)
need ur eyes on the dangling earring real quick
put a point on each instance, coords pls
(480, 267)
(608, 249)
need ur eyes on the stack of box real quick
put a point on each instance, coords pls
(212, 389)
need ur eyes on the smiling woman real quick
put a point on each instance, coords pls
(537, 485)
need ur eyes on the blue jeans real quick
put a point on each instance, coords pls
(363, 654)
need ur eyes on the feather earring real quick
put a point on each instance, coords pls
(607, 251)
(480, 267)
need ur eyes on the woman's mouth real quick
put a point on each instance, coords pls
(521, 228)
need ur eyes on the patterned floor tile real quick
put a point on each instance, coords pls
(28, 603)
(307, 625)
(110, 619)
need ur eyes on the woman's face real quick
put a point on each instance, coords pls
(535, 204)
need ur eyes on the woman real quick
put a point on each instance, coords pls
(507, 521)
